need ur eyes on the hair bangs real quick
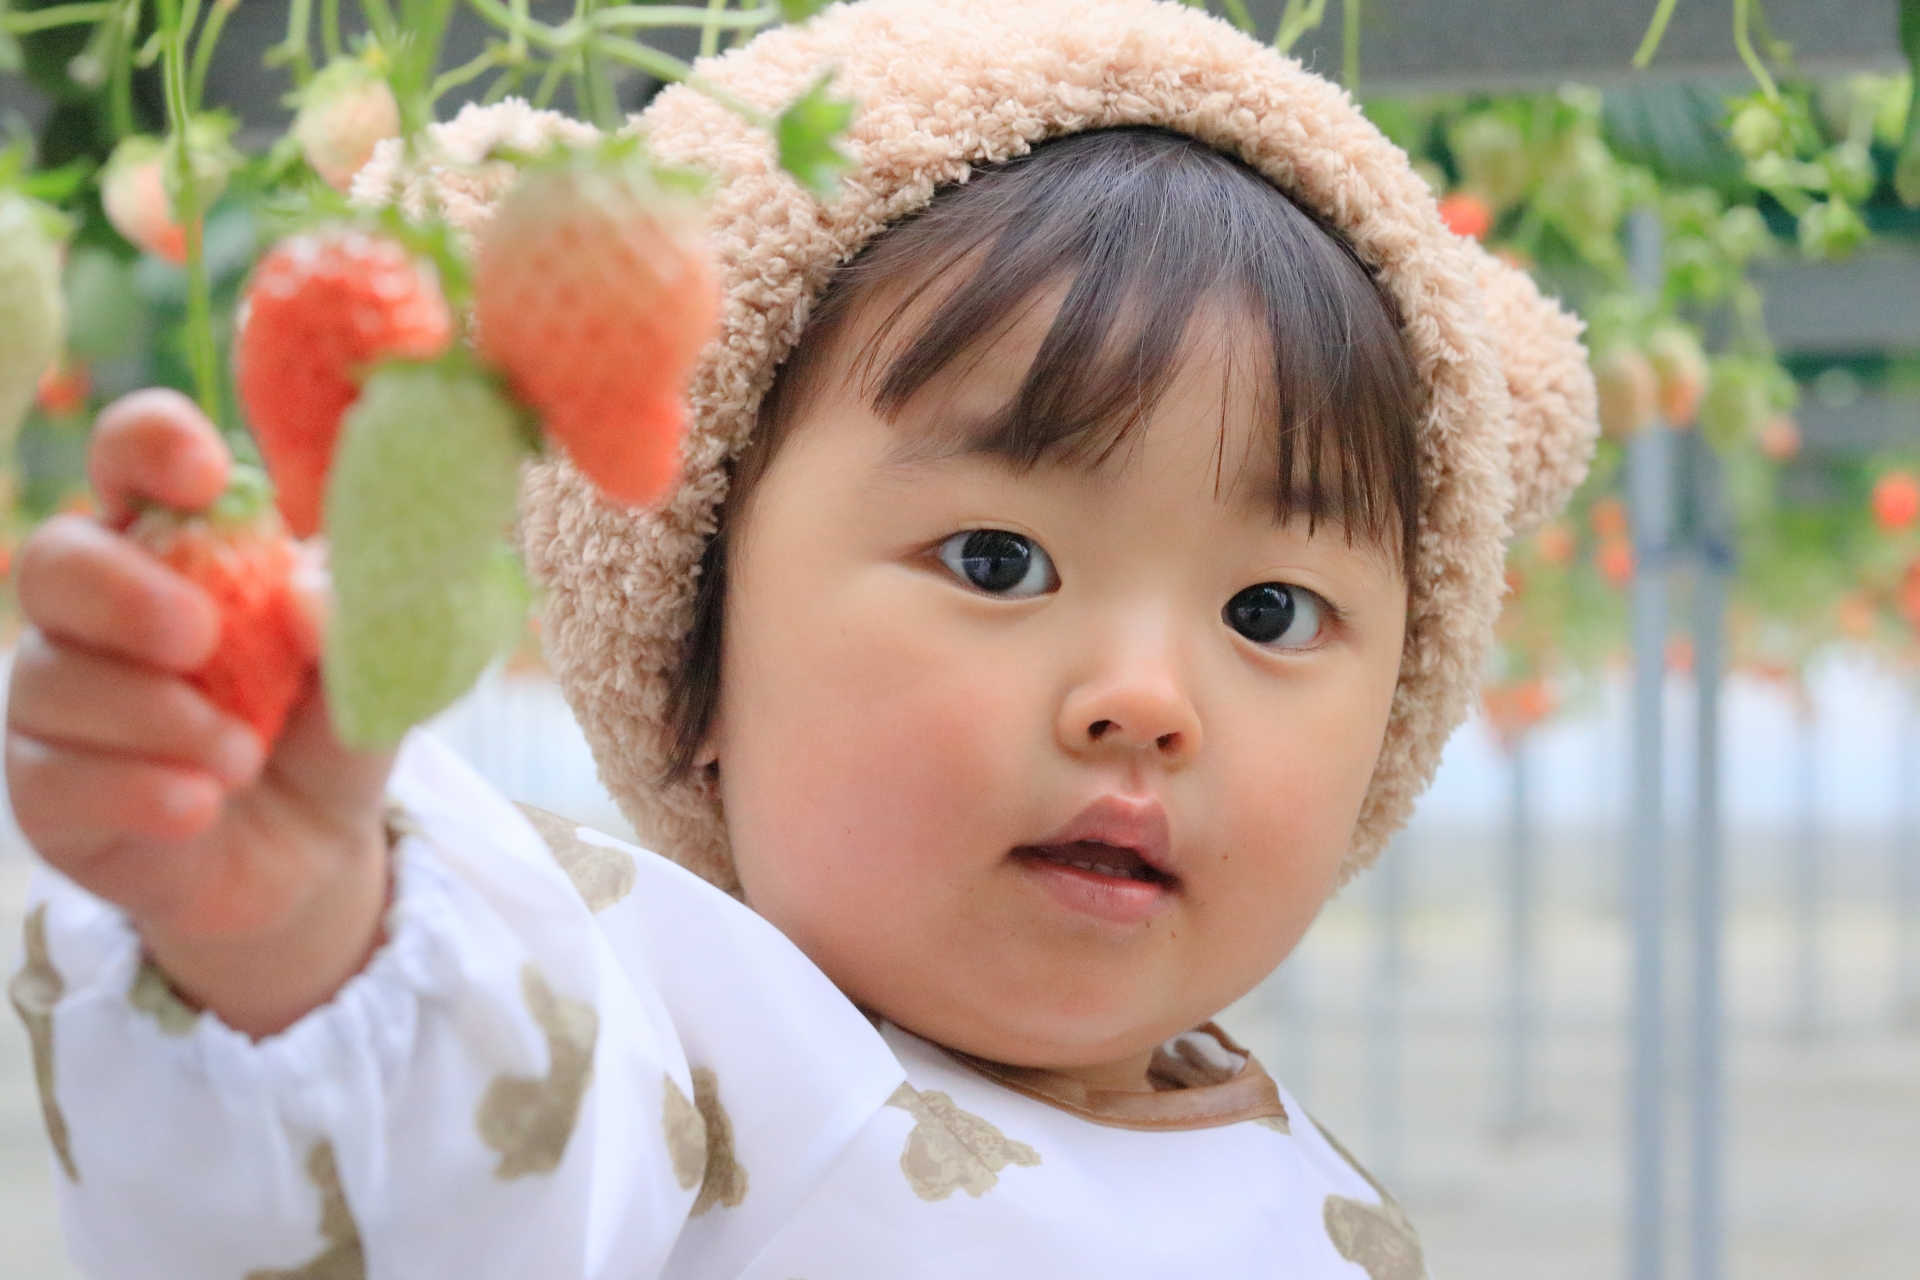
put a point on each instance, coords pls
(1139, 231)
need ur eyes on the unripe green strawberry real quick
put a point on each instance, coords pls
(1757, 128)
(33, 312)
(345, 112)
(1738, 402)
(1832, 229)
(425, 589)
(320, 311)
(238, 553)
(594, 292)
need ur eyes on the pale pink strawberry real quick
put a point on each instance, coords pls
(138, 193)
(594, 291)
(133, 190)
(345, 112)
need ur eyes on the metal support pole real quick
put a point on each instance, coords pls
(1804, 1019)
(1516, 1101)
(1906, 865)
(1650, 503)
(1713, 527)
(1385, 1010)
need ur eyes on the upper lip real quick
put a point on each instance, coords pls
(1138, 823)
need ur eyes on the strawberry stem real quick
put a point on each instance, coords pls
(248, 496)
(176, 23)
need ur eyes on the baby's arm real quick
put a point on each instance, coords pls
(256, 873)
(252, 1061)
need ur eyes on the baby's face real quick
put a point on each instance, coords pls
(1046, 765)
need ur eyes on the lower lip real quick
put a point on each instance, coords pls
(1112, 898)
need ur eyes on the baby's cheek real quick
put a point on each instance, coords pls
(875, 785)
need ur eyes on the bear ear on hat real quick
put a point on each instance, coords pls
(1555, 417)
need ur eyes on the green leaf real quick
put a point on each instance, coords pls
(57, 186)
(800, 10)
(807, 132)
(426, 593)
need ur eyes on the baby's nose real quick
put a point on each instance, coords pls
(1138, 711)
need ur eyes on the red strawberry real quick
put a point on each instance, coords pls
(65, 387)
(1896, 501)
(321, 310)
(1467, 215)
(1616, 560)
(594, 292)
(238, 553)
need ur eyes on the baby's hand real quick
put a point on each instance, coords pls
(256, 873)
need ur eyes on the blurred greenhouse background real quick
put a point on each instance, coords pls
(1638, 994)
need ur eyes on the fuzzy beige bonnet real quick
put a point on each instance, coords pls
(941, 86)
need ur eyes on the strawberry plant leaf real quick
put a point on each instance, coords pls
(425, 590)
(57, 186)
(808, 131)
(800, 10)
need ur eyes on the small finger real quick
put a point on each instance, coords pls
(74, 698)
(155, 446)
(66, 799)
(82, 583)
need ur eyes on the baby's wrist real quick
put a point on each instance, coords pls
(262, 982)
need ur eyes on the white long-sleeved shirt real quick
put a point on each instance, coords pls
(574, 1060)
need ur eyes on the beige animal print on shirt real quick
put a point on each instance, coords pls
(952, 1150)
(725, 1180)
(35, 990)
(528, 1121)
(1377, 1237)
(341, 1257)
(686, 1135)
(601, 875)
(154, 996)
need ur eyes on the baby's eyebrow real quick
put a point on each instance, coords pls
(1296, 499)
(952, 437)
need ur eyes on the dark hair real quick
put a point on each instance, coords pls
(1142, 226)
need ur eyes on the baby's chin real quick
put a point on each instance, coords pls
(1094, 1034)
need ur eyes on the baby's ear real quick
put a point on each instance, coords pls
(1555, 419)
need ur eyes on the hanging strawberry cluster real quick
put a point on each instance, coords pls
(393, 379)
(590, 294)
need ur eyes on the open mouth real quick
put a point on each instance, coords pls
(1115, 862)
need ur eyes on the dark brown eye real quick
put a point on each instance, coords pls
(1275, 614)
(998, 562)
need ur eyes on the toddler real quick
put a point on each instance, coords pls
(1089, 532)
